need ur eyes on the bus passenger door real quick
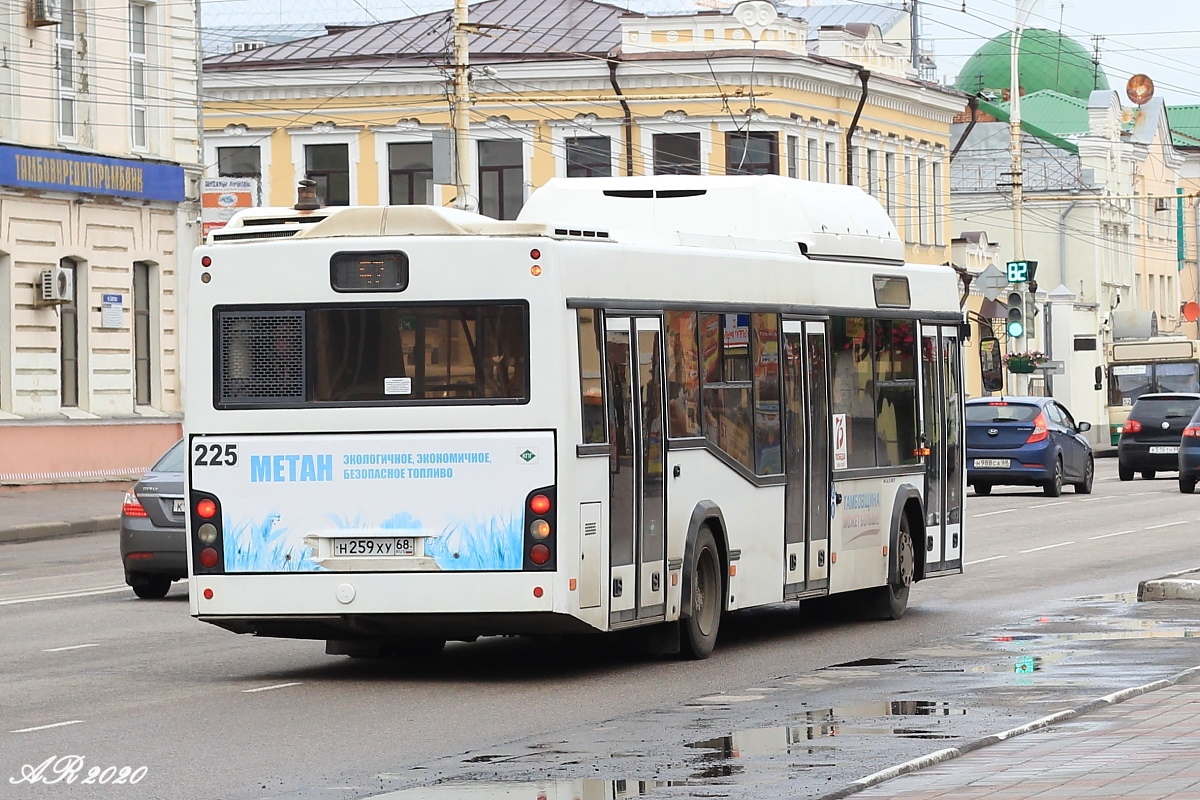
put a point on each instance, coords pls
(637, 496)
(806, 424)
(942, 424)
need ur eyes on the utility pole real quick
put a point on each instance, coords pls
(1023, 10)
(915, 35)
(461, 122)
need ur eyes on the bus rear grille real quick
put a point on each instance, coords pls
(261, 357)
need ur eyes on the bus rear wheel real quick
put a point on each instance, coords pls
(699, 630)
(891, 601)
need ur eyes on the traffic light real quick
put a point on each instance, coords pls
(1015, 326)
(1031, 313)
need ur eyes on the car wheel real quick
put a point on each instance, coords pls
(1148, 474)
(1124, 473)
(152, 587)
(983, 489)
(1089, 475)
(699, 631)
(1053, 487)
(1187, 485)
(891, 601)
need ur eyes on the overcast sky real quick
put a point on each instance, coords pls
(1157, 37)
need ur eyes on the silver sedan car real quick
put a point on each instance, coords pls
(153, 540)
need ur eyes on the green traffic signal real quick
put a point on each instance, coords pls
(1016, 329)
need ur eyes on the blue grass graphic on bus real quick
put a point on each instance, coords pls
(289, 500)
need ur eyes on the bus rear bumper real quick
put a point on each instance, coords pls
(372, 627)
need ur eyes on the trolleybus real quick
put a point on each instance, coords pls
(1136, 367)
(646, 402)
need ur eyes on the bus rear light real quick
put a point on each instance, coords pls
(1040, 434)
(540, 504)
(208, 594)
(208, 558)
(1131, 426)
(205, 261)
(538, 591)
(207, 533)
(206, 509)
(539, 529)
(132, 506)
(539, 554)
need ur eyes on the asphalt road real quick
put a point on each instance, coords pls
(92, 671)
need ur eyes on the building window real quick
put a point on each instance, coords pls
(239, 162)
(676, 154)
(751, 153)
(889, 183)
(410, 173)
(137, 72)
(329, 166)
(66, 70)
(589, 157)
(814, 160)
(142, 361)
(501, 178)
(910, 183)
(922, 209)
(831, 171)
(793, 156)
(872, 175)
(938, 235)
(68, 345)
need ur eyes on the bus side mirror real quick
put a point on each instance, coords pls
(1099, 379)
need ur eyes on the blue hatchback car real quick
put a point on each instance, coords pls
(1027, 441)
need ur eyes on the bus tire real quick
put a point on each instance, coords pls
(699, 629)
(891, 601)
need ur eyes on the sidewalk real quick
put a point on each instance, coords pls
(1146, 746)
(47, 512)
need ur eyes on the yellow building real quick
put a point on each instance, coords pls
(582, 88)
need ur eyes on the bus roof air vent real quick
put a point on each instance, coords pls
(828, 222)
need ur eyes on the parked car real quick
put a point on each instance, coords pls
(1152, 433)
(153, 540)
(1027, 441)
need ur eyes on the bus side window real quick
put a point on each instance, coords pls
(591, 376)
(683, 375)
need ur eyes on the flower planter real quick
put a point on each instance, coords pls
(1022, 367)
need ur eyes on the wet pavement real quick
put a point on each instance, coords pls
(815, 734)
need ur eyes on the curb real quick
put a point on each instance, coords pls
(1167, 588)
(942, 756)
(57, 530)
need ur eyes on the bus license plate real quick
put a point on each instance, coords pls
(993, 463)
(1163, 451)
(375, 547)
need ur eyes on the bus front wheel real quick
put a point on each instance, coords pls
(699, 631)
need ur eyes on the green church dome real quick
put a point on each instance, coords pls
(1048, 60)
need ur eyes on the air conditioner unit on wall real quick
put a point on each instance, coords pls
(57, 286)
(44, 12)
(1162, 204)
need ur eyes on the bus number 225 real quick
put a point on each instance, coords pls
(216, 455)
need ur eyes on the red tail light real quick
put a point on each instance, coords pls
(132, 506)
(540, 504)
(206, 509)
(1192, 430)
(539, 554)
(1131, 426)
(1039, 430)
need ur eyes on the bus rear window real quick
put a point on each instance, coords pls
(401, 353)
(355, 354)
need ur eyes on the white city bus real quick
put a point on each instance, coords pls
(1157, 364)
(649, 401)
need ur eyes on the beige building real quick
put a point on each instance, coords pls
(827, 94)
(99, 177)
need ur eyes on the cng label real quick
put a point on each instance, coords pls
(528, 456)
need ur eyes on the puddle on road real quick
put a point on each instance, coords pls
(829, 723)
(868, 662)
(582, 789)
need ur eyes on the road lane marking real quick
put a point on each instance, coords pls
(269, 688)
(6, 574)
(71, 647)
(48, 727)
(1106, 535)
(994, 513)
(1165, 525)
(1101, 497)
(982, 560)
(1047, 547)
(67, 595)
(1047, 505)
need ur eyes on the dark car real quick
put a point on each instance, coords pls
(1189, 455)
(1152, 433)
(153, 541)
(1027, 441)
